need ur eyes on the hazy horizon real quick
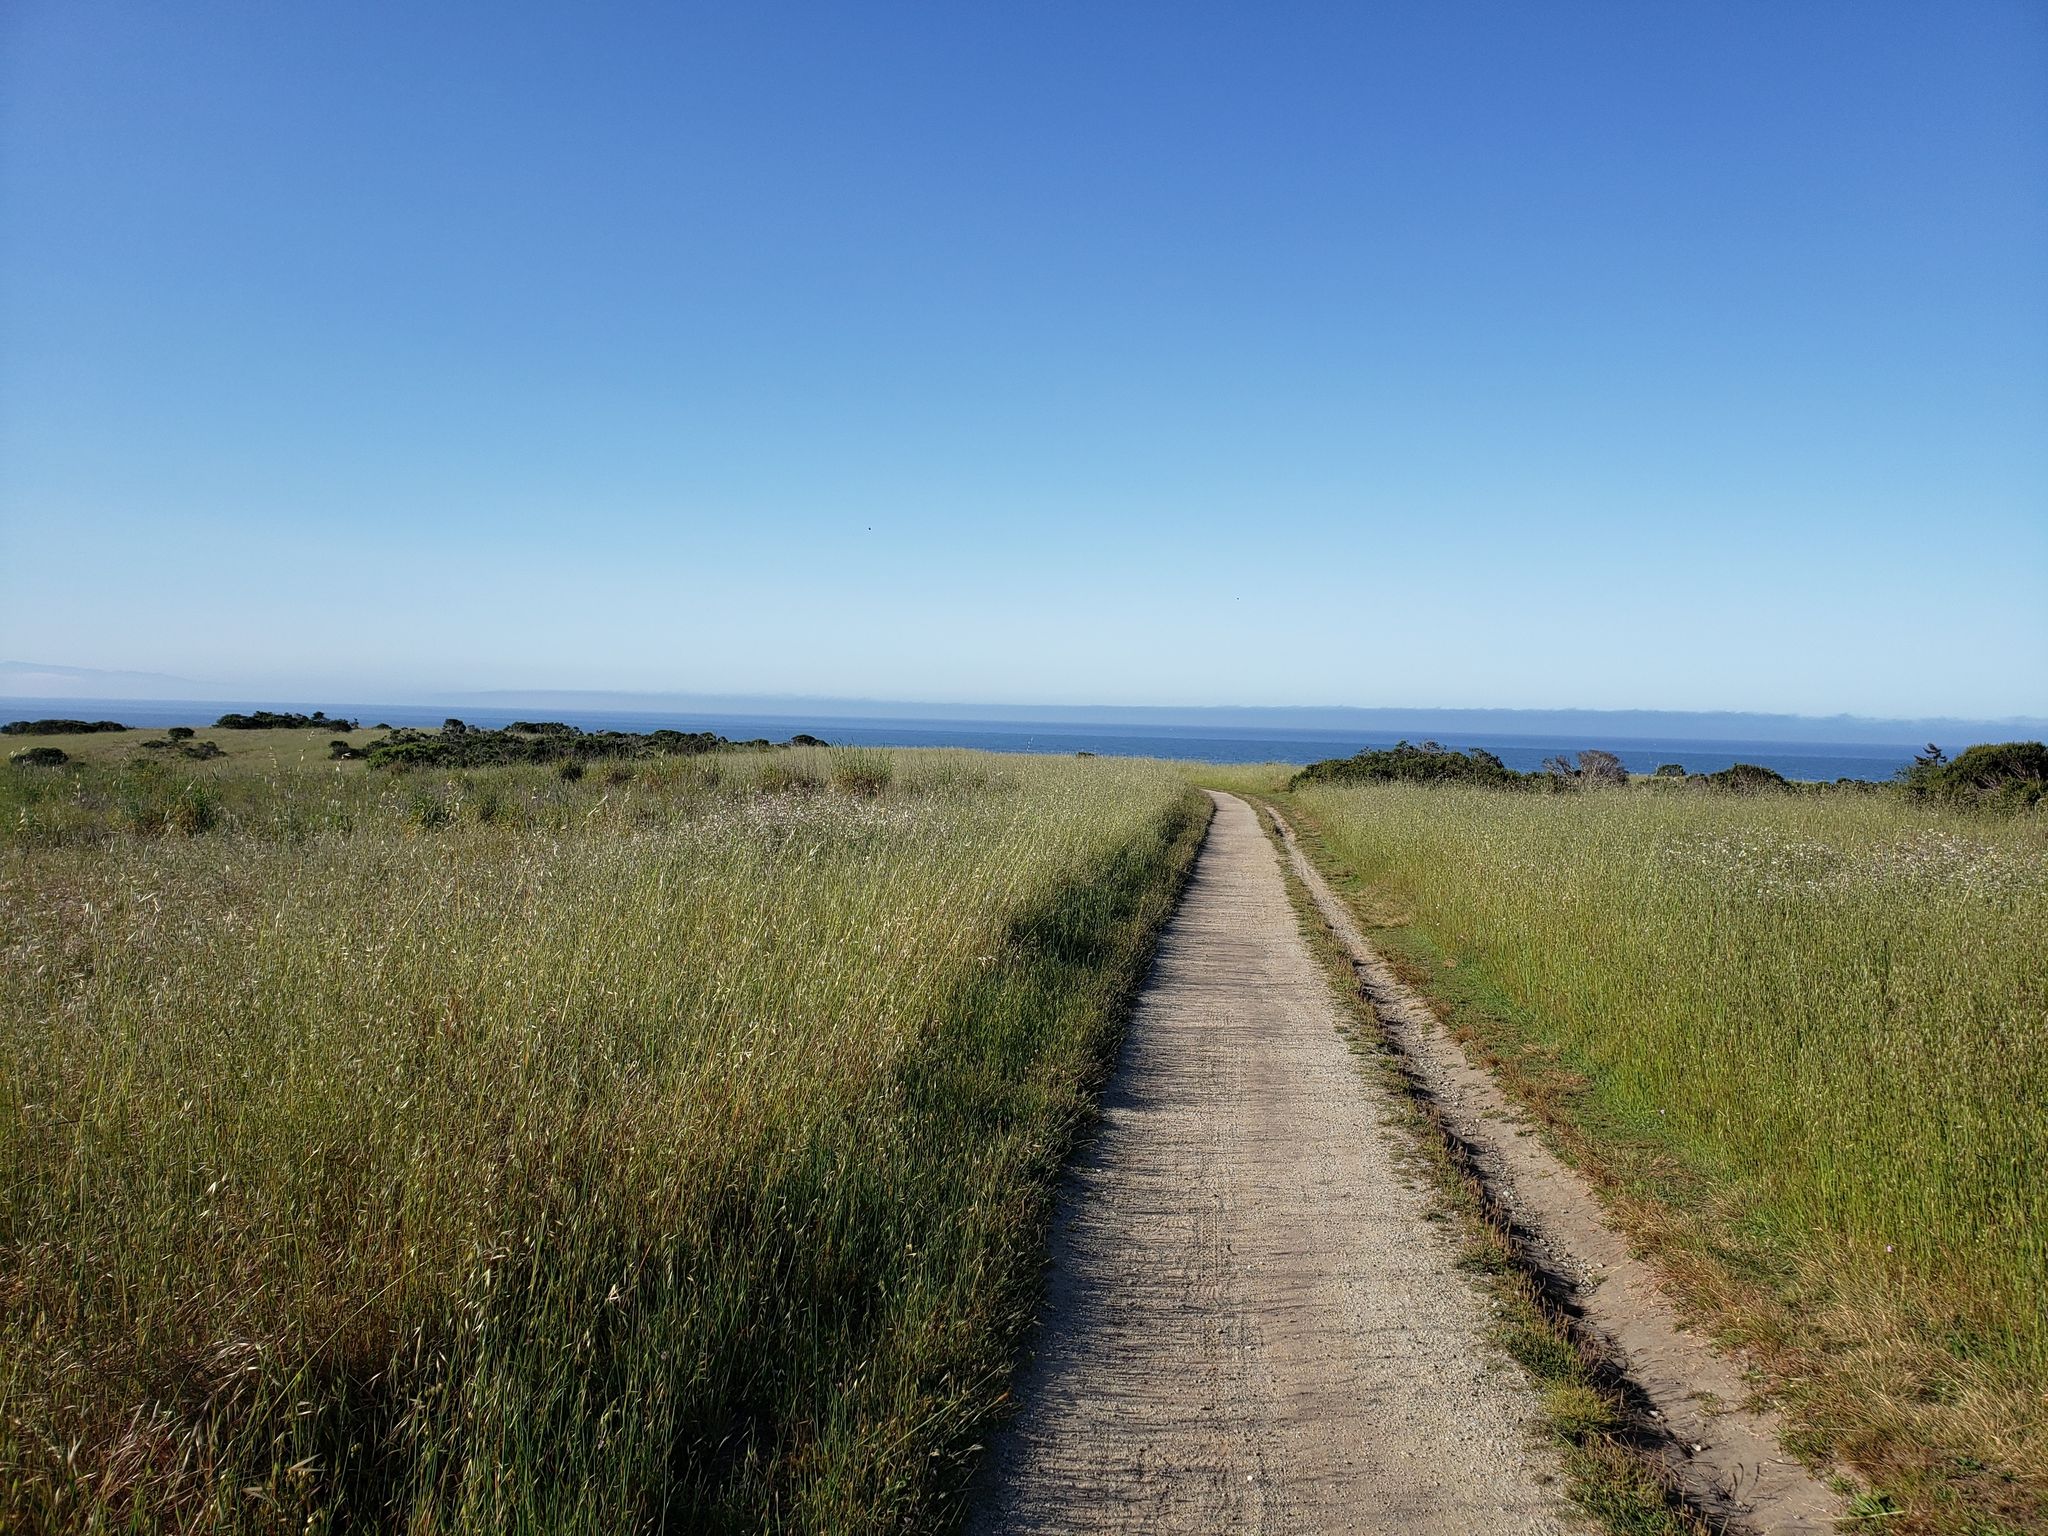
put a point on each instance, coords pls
(1642, 723)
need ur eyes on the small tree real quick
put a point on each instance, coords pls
(1671, 770)
(181, 733)
(1601, 769)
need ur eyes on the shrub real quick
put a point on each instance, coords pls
(1745, 778)
(458, 745)
(1429, 763)
(181, 733)
(59, 727)
(1601, 769)
(569, 770)
(1671, 770)
(276, 720)
(2010, 775)
(40, 757)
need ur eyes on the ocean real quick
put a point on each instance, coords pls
(1216, 744)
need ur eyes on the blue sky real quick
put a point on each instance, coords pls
(1629, 354)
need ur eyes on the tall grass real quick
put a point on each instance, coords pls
(496, 1152)
(1832, 1010)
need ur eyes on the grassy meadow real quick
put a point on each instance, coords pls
(258, 751)
(668, 1148)
(1803, 1040)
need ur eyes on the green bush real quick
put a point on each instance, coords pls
(1428, 763)
(274, 720)
(1744, 778)
(59, 727)
(40, 757)
(2006, 775)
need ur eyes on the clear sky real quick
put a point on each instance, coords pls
(1621, 354)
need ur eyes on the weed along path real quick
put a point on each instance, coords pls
(1251, 1323)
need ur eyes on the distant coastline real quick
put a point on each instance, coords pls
(1223, 736)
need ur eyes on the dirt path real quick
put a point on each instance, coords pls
(1252, 1323)
(1723, 1450)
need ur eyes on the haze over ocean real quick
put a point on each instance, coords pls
(1183, 739)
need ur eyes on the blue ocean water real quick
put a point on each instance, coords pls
(1216, 744)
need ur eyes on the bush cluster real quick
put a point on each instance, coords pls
(2006, 775)
(59, 727)
(178, 742)
(460, 745)
(2009, 775)
(1406, 762)
(1431, 762)
(274, 720)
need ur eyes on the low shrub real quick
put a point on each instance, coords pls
(1428, 763)
(59, 727)
(1745, 779)
(39, 757)
(2006, 775)
(276, 720)
(174, 745)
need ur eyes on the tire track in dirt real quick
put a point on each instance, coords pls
(1252, 1323)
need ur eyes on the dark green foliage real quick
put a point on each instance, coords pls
(59, 727)
(40, 757)
(183, 746)
(801, 739)
(339, 750)
(1671, 770)
(181, 733)
(1744, 778)
(1429, 763)
(458, 745)
(272, 720)
(570, 771)
(2006, 775)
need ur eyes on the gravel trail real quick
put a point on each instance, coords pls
(1252, 1322)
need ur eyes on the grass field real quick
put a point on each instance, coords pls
(493, 1152)
(1802, 1041)
(258, 750)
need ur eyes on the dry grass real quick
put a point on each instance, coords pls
(489, 1152)
(245, 750)
(1803, 1040)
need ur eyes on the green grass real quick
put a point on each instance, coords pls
(1802, 1040)
(1605, 1470)
(670, 1148)
(244, 750)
